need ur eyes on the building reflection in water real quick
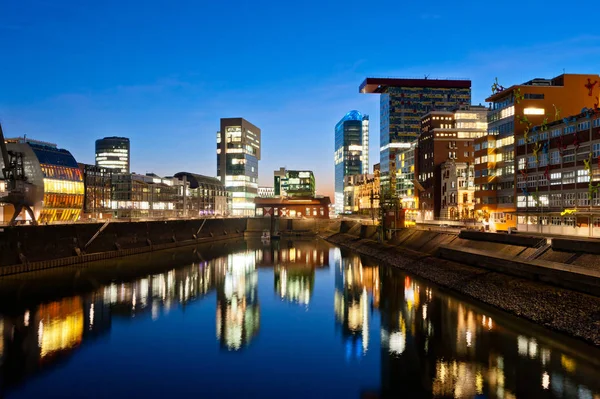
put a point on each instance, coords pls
(238, 311)
(356, 294)
(295, 265)
(435, 345)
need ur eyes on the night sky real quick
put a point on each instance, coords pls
(163, 72)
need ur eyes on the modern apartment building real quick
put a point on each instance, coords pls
(559, 176)
(445, 136)
(113, 153)
(351, 151)
(514, 112)
(294, 183)
(238, 153)
(403, 102)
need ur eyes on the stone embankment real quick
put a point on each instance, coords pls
(416, 252)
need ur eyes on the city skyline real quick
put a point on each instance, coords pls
(83, 82)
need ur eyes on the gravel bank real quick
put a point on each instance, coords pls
(558, 309)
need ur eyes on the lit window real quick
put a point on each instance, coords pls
(534, 111)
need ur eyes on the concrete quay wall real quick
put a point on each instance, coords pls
(24, 248)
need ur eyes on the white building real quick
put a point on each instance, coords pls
(458, 191)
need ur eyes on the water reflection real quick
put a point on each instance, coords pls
(399, 336)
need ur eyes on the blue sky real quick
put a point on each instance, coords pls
(164, 72)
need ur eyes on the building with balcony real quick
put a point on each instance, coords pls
(514, 112)
(113, 153)
(238, 153)
(458, 191)
(445, 136)
(559, 176)
(403, 102)
(351, 151)
(57, 188)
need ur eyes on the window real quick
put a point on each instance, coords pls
(554, 158)
(534, 111)
(531, 181)
(555, 133)
(543, 181)
(532, 96)
(583, 176)
(570, 199)
(521, 163)
(477, 147)
(555, 220)
(544, 220)
(531, 161)
(596, 148)
(543, 160)
(521, 201)
(568, 177)
(466, 154)
(583, 125)
(569, 221)
(555, 178)
(596, 123)
(465, 198)
(569, 129)
(583, 199)
(543, 136)
(521, 141)
(569, 155)
(556, 200)
(484, 159)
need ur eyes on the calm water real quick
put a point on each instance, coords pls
(290, 320)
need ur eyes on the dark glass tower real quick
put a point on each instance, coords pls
(113, 153)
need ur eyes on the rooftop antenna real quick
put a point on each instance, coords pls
(427, 76)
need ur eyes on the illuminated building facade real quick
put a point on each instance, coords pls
(559, 172)
(403, 102)
(113, 153)
(58, 189)
(314, 208)
(445, 136)
(204, 195)
(458, 191)
(266, 192)
(98, 192)
(514, 111)
(147, 196)
(350, 146)
(238, 153)
(405, 180)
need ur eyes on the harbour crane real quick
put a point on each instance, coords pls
(19, 189)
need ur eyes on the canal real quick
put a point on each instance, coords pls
(289, 319)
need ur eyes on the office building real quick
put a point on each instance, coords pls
(113, 153)
(294, 183)
(98, 192)
(57, 188)
(514, 112)
(266, 192)
(204, 195)
(350, 155)
(279, 183)
(238, 153)
(403, 102)
(405, 180)
(445, 136)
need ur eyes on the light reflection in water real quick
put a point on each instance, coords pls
(426, 343)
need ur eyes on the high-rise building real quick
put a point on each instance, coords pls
(238, 153)
(113, 153)
(351, 151)
(402, 104)
(514, 112)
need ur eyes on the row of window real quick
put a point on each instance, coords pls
(558, 200)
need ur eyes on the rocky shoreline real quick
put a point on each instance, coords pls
(562, 310)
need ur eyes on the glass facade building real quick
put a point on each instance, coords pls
(350, 150)
(238, 153)
(402, 104)
(57, 182)
(113, 153)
